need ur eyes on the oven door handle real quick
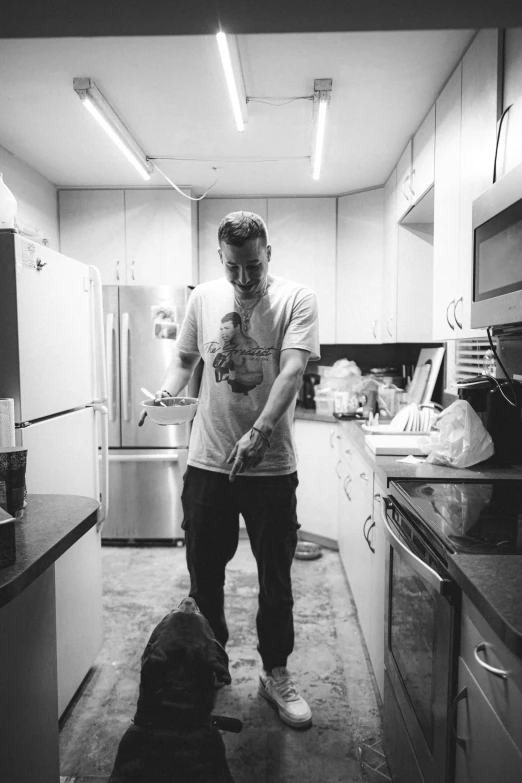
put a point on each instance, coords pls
(418, 565)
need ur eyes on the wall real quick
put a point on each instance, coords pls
(36, 197)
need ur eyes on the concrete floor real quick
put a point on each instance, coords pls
(142, 584)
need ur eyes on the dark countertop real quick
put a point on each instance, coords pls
(492, 582)
(50, 526)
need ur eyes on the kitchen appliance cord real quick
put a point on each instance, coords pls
(514, 404)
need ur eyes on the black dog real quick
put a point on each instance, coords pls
(174, 738)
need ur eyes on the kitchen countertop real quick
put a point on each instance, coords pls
(492, 582)
(50, 526)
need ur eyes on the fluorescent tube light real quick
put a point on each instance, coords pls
(107, 118)
(322, 92)
(234, 77)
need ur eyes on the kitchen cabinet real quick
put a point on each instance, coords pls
(407, 274)
(510, 142)
(135, 237)
(317, 449)
(477, 154)
(211, 213)
(359, 267)
(92, 230)
(355, 518)
(446, 206)
(303, 238)
(377, 543)
(488, 705)
(404, 192)
(423, 164)
(391, 257)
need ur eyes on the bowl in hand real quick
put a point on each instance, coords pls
(175, 410)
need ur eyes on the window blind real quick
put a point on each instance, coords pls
(469, 357)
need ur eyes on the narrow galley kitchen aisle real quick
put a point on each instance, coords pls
(141, 585)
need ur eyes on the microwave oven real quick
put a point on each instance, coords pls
(496, 298)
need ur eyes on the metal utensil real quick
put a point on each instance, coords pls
(151, 396)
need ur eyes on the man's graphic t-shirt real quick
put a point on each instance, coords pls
(240, 367)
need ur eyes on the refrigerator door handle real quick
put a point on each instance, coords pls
(143, 458)
(125, 359)
(99, 344)
(104, 468)
(110, 334)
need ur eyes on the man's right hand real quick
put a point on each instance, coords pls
(159, 395)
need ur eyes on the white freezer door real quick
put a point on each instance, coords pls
(62, 458)
(55, 314)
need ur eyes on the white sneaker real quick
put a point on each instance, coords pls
(279, 688)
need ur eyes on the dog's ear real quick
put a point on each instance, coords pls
(218, 661)
(153, 663)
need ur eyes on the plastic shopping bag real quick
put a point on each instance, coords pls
(462, 440)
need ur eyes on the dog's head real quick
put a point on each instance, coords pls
(179, 663)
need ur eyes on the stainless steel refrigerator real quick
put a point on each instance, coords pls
(146, 464)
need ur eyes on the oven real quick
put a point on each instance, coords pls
(422, 616)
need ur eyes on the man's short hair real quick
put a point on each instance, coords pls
(236, 228)
(234, 317)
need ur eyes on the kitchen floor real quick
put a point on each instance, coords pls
(141, 585)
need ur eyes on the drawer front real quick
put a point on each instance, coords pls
(480, 647)
(485, 752)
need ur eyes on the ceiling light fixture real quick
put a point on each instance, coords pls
(102, 112)
(322, 94)
(229, 51)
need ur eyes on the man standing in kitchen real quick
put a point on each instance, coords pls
(241, 459)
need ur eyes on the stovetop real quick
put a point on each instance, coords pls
(475, 518)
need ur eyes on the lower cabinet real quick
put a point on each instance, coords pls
(485, 751)
(317, 457)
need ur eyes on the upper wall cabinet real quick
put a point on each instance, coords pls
(92, 230)
(447, 207)
(302, 236)
(510, 143)
(211, 213)
(404, 192)
(135, 237)
(390, 251)
(477, 154)
(423, 165)
(360, 267)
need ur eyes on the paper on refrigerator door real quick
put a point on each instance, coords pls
(7, 423)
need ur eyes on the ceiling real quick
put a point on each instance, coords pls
(171, 94)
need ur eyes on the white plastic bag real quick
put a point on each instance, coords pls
(462, 439)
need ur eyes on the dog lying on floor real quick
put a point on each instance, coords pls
(174, 738)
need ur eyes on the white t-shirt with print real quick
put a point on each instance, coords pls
(240, 368)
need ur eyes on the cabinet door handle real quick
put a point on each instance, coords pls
(132, 269)
(347, 481)
(388, 326)
(481, 646)
(377, 497)
(333, 434)
(372, 549)
(339, 462)
(462, 694)
(374, 327)
(410, 184)
(406, 180)
(447, 314)
(364, 476)
(118, 271)
(368, 519)
(347, 451)
(460, 299)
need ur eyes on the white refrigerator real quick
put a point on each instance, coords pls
(53, 366)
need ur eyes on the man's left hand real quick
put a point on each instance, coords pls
(248, 452)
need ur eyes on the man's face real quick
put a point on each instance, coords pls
(246, 267)
(227, 331)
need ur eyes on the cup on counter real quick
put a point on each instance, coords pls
(13, 462)
(345, 402)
